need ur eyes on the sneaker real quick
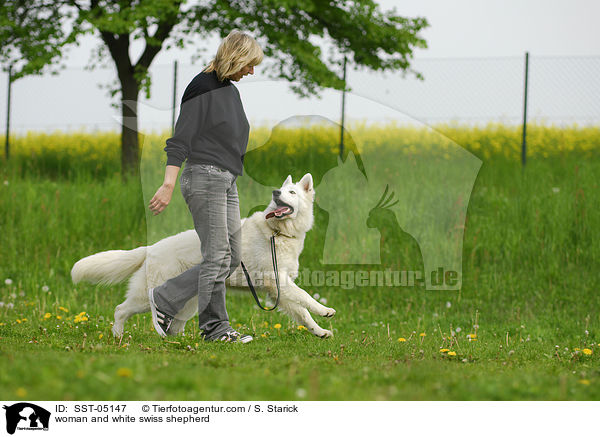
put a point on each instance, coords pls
(235, 337)
(162, 321)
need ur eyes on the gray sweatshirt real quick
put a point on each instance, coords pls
(212, 127)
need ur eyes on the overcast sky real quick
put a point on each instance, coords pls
(458, 29)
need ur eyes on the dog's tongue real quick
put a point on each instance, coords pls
(278, 212)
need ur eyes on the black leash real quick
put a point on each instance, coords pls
(274, 258)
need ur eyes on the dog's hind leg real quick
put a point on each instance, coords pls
(132, 305)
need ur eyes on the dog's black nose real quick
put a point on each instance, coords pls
(276, 193)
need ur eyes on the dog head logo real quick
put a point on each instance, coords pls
(26, 416)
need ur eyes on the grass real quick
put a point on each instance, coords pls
(528, 300)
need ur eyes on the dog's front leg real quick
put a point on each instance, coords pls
(304, 318)
(307, 301)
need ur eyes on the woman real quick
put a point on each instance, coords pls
(212, 134)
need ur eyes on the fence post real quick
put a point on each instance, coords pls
(343, 113)
(524, 142)
(174, 98)
(7, 143)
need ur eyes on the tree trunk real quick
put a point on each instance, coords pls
(130, 146)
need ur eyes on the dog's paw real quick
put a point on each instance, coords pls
(116, 331)
(329, 312)
(326, 334)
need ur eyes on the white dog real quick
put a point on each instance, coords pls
(289, 215)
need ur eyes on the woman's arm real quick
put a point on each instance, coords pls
(163, 195)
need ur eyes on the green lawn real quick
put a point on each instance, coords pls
(530, 294)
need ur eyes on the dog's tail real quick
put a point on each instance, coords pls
(110, 267)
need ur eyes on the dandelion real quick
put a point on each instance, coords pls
(451, 354)
(21, 392)
(401, 340)
(323, 300)
(277, 326)
(587, 351)
(100, 336)
(8, 281)
(81, 317)
(422, 334)
(63, 309)
(47, 316)
(124, 372)
(316, 296)
(584, 381)
(263, 335)
(301, 393)
(58, 317)
(301, 328)
(443, 351)
(458, 329)
(45, 288)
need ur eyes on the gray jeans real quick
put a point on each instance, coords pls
(212, 198)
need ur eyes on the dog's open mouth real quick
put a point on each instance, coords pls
(282, 210)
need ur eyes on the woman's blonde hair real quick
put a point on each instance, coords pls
(236, 51)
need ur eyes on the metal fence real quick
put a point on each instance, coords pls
(561, 90)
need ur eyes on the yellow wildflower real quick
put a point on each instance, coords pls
(422, 334)
(301, 327)
(265, 324)
(124, 372)
(47, 316)
(444, 350)
(451, 354)
(63, 309)
(21, 392)
(277, 326)
(58, 317)
(584, 381)
(587, 351)
(402, 339)
(100, 336)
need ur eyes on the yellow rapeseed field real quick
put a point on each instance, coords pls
(100, 151)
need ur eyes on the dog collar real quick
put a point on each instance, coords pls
(277, 232)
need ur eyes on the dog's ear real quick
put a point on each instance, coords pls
(306, 182)
(287, 181)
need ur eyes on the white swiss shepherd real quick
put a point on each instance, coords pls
(290, 212)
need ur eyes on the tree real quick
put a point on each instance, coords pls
(33, 38)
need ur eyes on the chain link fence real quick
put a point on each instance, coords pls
(562, 91)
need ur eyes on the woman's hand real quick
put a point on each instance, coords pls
(161, 199)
